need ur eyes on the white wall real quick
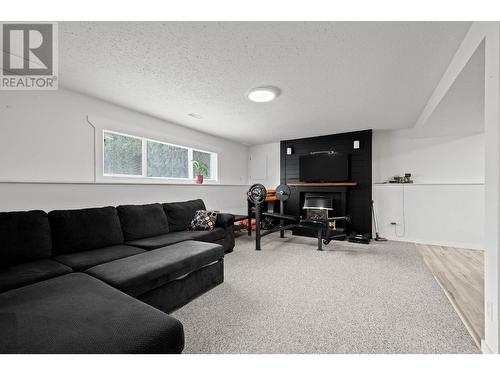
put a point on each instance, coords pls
(445, 205)
(45, 137)
(264, 164)
(448, 215)
(26, 196)
(429, 160)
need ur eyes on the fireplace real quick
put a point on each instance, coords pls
(317, 207)
(318, 204)
(316, 214)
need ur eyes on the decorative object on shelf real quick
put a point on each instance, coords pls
(402, 180)
(201, 169)
(396, 180)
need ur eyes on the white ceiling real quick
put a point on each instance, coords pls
(334, 76)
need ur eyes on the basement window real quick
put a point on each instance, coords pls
(165, 160)
(122, 155)
(131, 156)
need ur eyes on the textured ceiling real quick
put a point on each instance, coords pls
(334, 76)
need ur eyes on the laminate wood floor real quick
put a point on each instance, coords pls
(460, 272)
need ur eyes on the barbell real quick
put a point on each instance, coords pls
(258, 193)
(283, 192)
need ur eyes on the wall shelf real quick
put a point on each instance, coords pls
(429, 184)
(342, 184)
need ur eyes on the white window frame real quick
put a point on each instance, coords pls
(213, 160)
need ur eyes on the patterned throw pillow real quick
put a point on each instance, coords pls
(204, 220)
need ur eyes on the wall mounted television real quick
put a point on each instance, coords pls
(324, 167)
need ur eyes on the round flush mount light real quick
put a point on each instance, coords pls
(263, 94)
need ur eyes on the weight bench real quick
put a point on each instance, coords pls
(238, 218)
(257, 195)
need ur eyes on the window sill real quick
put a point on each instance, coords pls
(114, 182)
(151, 180)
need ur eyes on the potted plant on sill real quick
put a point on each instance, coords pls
(200, 169)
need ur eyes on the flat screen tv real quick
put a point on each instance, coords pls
(324, 167)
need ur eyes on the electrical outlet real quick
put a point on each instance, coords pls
(489, 310)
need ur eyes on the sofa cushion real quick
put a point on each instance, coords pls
(176, 237)
(144, 272)
(29, 273)
(180, 214)
(24, 237)
(156, 242)
(140, 221)
(77, 313)
(85, 259)
(85, 229)
(208, 235)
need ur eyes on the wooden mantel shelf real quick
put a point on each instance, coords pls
(298, 183)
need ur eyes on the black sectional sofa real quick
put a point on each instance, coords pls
(94, 280)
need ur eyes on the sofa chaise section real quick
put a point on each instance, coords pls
(152, 272)
(76, 313)
(25, 249)
(87, 237)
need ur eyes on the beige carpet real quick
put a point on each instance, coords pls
(350, 298)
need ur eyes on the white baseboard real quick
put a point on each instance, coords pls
(485, 348)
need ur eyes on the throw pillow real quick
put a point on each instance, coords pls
(204, 220)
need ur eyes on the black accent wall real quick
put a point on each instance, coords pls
(358, 198)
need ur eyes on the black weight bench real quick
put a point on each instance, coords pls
(257, 195)
(238, 218)
(276, 215)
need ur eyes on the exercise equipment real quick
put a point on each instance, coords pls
(283, 192)
(245, 221)
(257, 194)
(359, 238)
(264, 221)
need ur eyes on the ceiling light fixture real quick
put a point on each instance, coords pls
(263, 94)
